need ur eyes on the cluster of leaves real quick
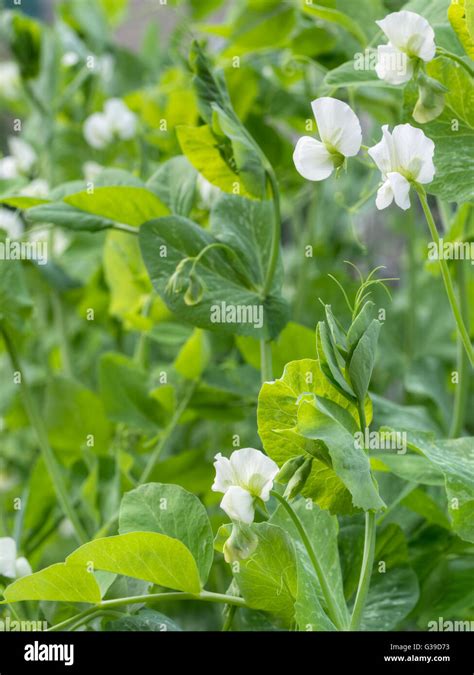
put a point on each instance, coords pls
(137, 388)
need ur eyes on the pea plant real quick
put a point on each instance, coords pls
(235, 300)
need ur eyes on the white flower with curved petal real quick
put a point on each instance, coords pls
(246, 476)
(11, 566)
(403, 156)
(25, 156)
(122, 121)
(97, 131)
(341, 137)
(11, 222)
(410, 38)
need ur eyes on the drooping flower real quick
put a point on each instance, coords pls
(116, 120)
(410, 38)
(403, 157)
(20, 161)
(341, 137)
(245, 477)
(11, 566)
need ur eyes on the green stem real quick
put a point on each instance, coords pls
(130, 229)
(266, 368)
(58, 313)
(448, 284)
(276, 233)
(36, 422)
(366, 570)
(454, 57)
(332, 608)
(205, 596)
(462, 387)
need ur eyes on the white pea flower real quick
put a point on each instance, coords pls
(410, 38)
(9, 80)
(403, 156)
(11, 222)
(70, 59)
(91, 170)
(341, 137)
(11, 566)
(97, 131)
(21, 159)
(115, 121)
(248, 475)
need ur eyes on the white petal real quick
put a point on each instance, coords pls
(393, 66)
(97, 131)
(384, 153)
(7, 557)
(37, 188)
(415, 152)
(410, 33)
(238, 504)
(312, 160)
(338, 125)
(22, 151)
(22, 568)
(384, 196)
(254, 471)
(401, 190)
(8, 168)
(224, 474)
(11, 222)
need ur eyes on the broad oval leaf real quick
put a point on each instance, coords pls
(63, 582)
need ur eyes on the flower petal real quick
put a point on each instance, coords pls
(392, 65)
(224, 474)
(22, 568)
(415, 152)
(312, 160)
(338, 125)
(384, 196)
(23, 153)
(7, 557)
(384, 153)
(254, 471)
(410, 33)
(120, 118)
(238, 504)
(401, 189)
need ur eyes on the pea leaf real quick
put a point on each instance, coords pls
(147, 620)
(175, 184)
(268, 580)
(152, 557)
(363, 359)
(277, 416)
(194, 355)
(165, 242)
(461, 18)
(65, 215)
(62, 582)
(15, 301)
(170, 510)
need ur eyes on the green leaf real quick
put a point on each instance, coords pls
(277, 415)
(337, 17)
(455, 458)
(75, 418)
(461, 18)
(226, 292)
(355, 74)
(360, 324)
(15, 301)
(268, 580)
(322, 530)
(124, 392)
(147, 620)
(63, 582)
(349, 461)
(170, 510)
(122, 204)
(152, 557)
(194, 356)
(414, 468)
(65, 215)
(20, 202)
(363, 359)
(330, 360)
(175, 184)
(202, 150)
(260, 27)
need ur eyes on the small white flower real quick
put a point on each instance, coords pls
(116, 120)
(70, 59)
(8, 168)
(410, 38)
(91, 170)
(248, 475)
(21, 159)
(9, 80)
(97, 131)
(11, 566)
(121, 119)
(11, 222)
(341, 137)
(403, 157)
